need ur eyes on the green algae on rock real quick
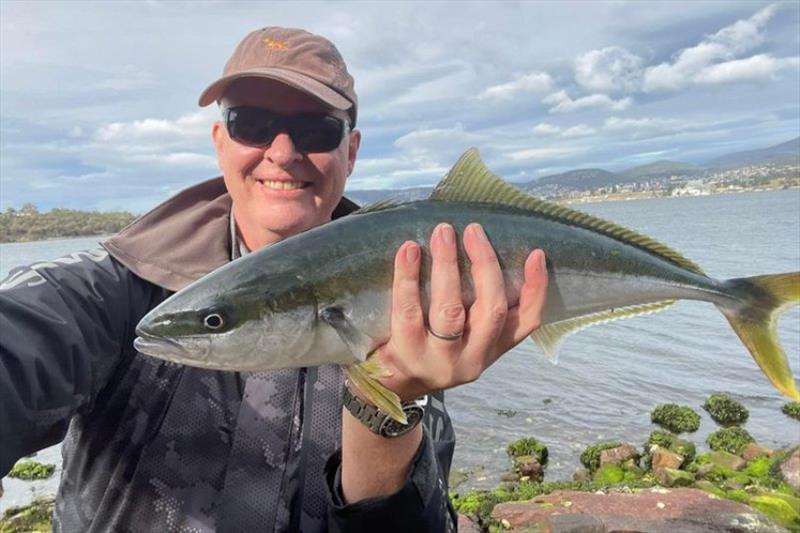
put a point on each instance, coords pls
(726, 411)
(732, 440)
(673, 443)
(528, 446)
(792, 410)
(30, 470)
(590, 458)
(36, 517)
(675, 418)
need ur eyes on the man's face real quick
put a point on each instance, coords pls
(278, 191)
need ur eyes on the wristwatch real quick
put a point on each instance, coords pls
(381, 423)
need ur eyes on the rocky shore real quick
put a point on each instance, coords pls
(662, 486)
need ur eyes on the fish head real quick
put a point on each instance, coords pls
(231, 326)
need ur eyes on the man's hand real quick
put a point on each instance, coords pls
(422, 362)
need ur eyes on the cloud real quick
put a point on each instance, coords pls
(535, 82)
(758, 67)
(580, 130)
(714, 60)
(562, 103)
(646, 127)
(542, 153)
(609, 70)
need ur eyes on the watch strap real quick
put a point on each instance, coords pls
(370, 415)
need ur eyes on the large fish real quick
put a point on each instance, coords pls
(324, 296)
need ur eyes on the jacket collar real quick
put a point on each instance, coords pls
(184, 238)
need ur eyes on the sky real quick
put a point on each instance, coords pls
(98, 100)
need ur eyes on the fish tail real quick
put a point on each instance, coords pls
(761, 299)
(364, 377)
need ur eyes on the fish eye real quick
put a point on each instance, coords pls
(214, 320)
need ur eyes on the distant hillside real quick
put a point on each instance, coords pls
(662, 169)
(780, 154)
(584, 178)
(28, 224)
(366, 197)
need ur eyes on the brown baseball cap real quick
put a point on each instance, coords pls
(302, 60)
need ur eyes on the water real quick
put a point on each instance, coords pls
(611, 376)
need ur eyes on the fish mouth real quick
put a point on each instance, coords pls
(162, 347)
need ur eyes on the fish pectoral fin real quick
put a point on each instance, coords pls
(549, 336)
(364, 377)
(359, 344)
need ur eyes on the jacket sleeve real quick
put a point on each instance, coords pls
(422, 504)
(65, 325)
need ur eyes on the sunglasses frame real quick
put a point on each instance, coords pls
(284, 123)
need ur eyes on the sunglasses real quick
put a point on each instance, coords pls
(310, 132)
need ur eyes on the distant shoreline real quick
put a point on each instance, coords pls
(630, 196)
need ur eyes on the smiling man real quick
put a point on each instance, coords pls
(155, 446)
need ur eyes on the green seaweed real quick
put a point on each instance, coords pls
(29, 470)
(673, 443)
(778, 509)
(590, 457)
(791, 409)
(528, 446)
(36, 517)
(726, 411)
(675, 418)
(732, 440)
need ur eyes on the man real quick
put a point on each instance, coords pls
(154, 446)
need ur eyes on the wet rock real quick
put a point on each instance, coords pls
(727, 460)
(509, 477)
(662, 458)
(672, 477)
(582, 474)
(466, 525)
(618, 455)
(790, 469)
(654, 511)
(753, 450)
(528, 466)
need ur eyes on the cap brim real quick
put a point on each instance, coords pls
(301, 82)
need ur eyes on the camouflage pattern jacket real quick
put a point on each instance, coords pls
(155, 446)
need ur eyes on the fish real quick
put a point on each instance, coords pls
(324, 296)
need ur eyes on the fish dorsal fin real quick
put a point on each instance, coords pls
(470, 181)
(549, 336)
(380, 205)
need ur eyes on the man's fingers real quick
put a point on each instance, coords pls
(527, 316)
(446, 314)
(407, 317)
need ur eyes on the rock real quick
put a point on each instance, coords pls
(582, 474)
(609, 474)
(728, 460)
(528, 466)
(777, 508)
(703, 471)
(466, 525)
(662, 458)
(753, 450)
(654, 511)
(790, 469)
(672, 477)
(509, 477)
(618, 455)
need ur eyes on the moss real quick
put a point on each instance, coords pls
(673, 443)
(726, 411)
(528, 446)
(777, 509)
(759, 467)
(792, 409)
(29, 470)
(675, 418)
(732, 440)
(590, 457)
(609, 475)
(36, 517)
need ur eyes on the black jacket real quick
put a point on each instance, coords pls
(155, 446)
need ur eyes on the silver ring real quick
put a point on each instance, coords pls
(448, 336)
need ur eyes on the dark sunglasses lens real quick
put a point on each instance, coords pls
(316, 133)
(250, 126)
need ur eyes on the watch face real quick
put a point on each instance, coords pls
(393, 428)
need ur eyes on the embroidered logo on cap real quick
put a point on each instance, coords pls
(277, 45)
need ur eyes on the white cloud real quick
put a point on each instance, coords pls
(609, 70)
(543, 128)
(541, 153)
(758, 67)
(713, 60)
(579, 130)
(562, 103)
(646, 127)
(193, 125)
(535, 82)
